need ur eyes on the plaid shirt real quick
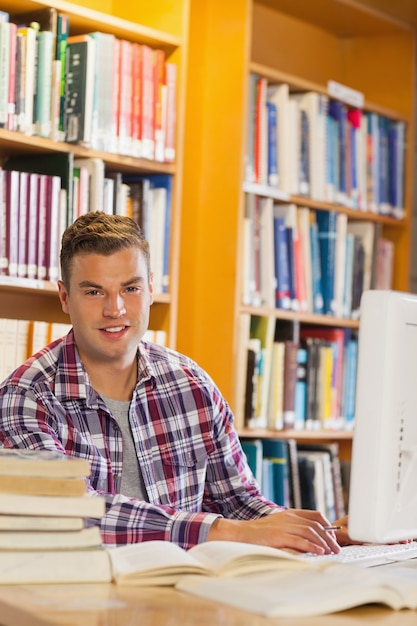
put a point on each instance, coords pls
(192, 463)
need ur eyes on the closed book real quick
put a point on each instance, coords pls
(253, 450)
(5, 30)
(49, 540)
(43, 99)
(11, 98)
(276, 450)
(40, 522)
(28, 50)
(124, 120)
(160, 93)
(281, 265)
(290, 378)
(79, 94)
(103, 130)
(327, 225)
(272, 162)
(147, 123)
(60, 566)
(300, 390)
(73, 506)
(42, 485)
(22, 264)
(27, 462)
(171, 112)
(12, 221)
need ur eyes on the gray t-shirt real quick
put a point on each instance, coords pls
(132, 484)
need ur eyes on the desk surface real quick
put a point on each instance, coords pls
(108, 605)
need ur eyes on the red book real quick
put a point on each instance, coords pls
(261, 122)
(116, 88)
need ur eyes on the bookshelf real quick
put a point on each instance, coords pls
(286, 41)
(162, 26)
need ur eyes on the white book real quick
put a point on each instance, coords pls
(61, 566)
(4, 71)
(73, 506)
(103, 131)
(50, 540)
(96, 173)
(266, 238)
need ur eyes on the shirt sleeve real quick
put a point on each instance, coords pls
(231, 489)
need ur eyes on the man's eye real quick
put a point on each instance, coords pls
(92, 292)
(133, 289)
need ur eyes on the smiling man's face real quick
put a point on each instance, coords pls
(108, 301)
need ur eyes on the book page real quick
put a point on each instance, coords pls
(296, 593)
(151, 562)
(234, 558)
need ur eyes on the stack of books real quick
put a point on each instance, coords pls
(44, 533)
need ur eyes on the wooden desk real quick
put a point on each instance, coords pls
(108, 605)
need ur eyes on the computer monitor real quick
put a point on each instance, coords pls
(383, 482)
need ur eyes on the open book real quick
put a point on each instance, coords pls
(164, 563)
(299, 593)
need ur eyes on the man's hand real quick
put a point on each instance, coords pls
(297, 529)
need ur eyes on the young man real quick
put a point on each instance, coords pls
(155, 428)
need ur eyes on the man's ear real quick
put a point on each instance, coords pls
(63, 296)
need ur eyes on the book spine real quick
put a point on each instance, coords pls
(11, 107)
(23, 225)
(5, 28)
(147, 104)
(159, 103)
(12, 220)
(124, 127)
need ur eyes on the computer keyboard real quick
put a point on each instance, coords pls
(368, 555)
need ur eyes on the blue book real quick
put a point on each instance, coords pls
(272, 144)
(276, 451)
(350, 383)
(300, 403)
(253, 450)
(304, 161)
(327, 227)
(282, 271)
(317, 289)
(291, 267)
(338, 111)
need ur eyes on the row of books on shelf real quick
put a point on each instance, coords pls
(42, 196)
(303, 381)
(300, 259)
(306, 143)
(304, 476)
(95, 89)
(22, 338)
